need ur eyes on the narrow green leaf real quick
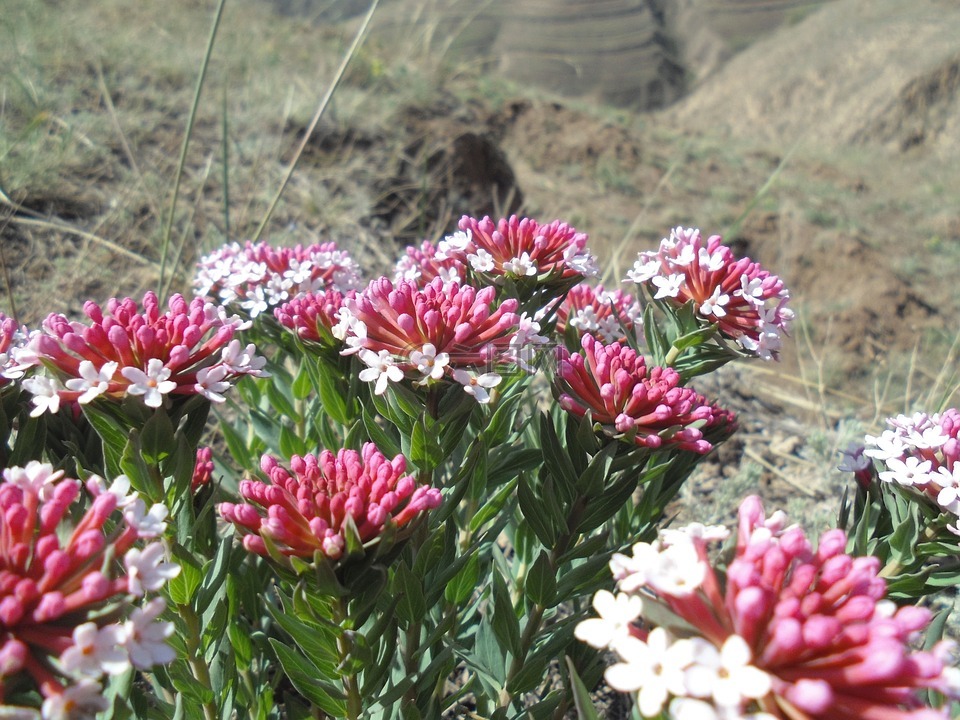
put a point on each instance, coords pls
(581, 696)
(302, 387)
(462, 585)
(541, 581)
(554, 456)
(505, 623)
(535, 513)
(412, 606)
(156, 438)
(305, 677)
(494, 506)
(185, 584)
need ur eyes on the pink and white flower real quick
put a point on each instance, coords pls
(258, 276)
(744, 301)
(788, 632)
(313, 316)
(62, 598)
(423, 264)
(647, 406)
(601, 313)
(307, 506)
(123, 352)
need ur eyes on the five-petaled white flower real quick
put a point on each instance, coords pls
(713, 305)
(92, 382)
(477, 385)
(95, 651)
(909, 472)
(148, 524)
(381, 368)
(45, 392)
(152, 384)
(145, 639)
(430, 363)
(654, 669)
(211, 383)
(616, 615)
(726, 675)
(147, 570)
(77, 702)
(522, 266)
(668, 286)
(482, 261)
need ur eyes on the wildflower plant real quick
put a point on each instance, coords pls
(388, 514)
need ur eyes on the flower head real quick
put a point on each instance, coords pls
(312, 316)
(744, 301)
(13, 342)
(630, 400)
(307, 509)
(423, 264)
(258, 276)
(514, 247)
(60, 593)
(602, 313)
(788, 630)
(187, 350)
(920, 452)
(402, 331)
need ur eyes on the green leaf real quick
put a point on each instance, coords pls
(581, 696)
(279, 402)
(157, 438)
(412, 606)
(137, 471)
(425, 451)
(584, 577)
(505, 623)
(541, 581)
(305, 677)
(501, 424)
(493, 507)
(554, 456)
(462, 585)
(242, 645)
(534, 513)
(330, 386)
(185, 584)
(593, 479)
(236, 446)
(112, 434)
(657, 341)
(291, 443)
(904, 540)
(302, 387)
(385, 441)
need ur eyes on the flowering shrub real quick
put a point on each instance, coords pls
(437, 559)
(790, 632)
(69, 596)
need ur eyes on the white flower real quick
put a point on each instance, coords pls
(145, 639)
(210, 383)
(522, 266)
(482, 261)
(680, 570)
(616, 614)
(146, 569)
(710, 263)
(949, 499)
(888, 445)
(685, 257)
(95, 651)
(119, 488)
(911, 472)
(699, 531)
(751, 290)
(152, 384)
(147, 524)
(45, 394)
(243, 360)
(727, 676)
(382, 368)
(653, 669)
(405, 269)
(255, 301)
(36, 477)
(477, 385)
(584, 262)
(634, 572)
(668, 286)
(429, 363)
(449, 275)
(453, 245)
(92, 382)
(713, 305)
(77, 702)
(645, 268)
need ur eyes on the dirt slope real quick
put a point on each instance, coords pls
(855, 72)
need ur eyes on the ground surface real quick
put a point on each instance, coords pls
(826, 149)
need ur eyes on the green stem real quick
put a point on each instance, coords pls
(672, 355)
(351, 685)
(195, 657)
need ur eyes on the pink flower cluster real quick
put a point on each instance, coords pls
(521, 248)
(423, 264)
(258, 276)
(921, 452)
(188, 350)
(63, 597)
(600, 313)
(442, 330)
(747, 303)
(647, 406)
(308, 506)
(789, 632)
(313, 316)
(13, 340)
